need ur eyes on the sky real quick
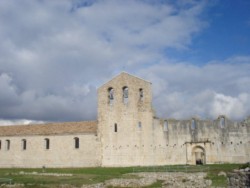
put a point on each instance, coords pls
(55, 54)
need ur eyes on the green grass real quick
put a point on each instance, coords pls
(158, 184)
(80, 175)
(96, 175)
(217, 181)
(214, 170)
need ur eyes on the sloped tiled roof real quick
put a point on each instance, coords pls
(50, 128)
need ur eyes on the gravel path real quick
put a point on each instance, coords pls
(169, 179)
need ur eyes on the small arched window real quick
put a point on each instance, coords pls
(193, 124)
(165, 125)
(77, 143)
(46, 140)
(125, 94)
(111, 95)
(222, 122)
(24, 144)
(141, 94)
(7, 144)
(115, 128)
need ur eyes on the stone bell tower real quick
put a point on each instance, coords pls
(124, 120)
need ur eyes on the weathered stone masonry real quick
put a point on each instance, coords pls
(127, 133)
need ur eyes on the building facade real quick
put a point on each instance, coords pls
(127, 133)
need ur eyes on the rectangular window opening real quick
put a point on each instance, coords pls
(24, 144)
(47, 143)
(7, 144)
(165, 126)
(139, 126)
(77, 144)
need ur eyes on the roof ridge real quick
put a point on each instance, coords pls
(47, 123)
(123, 72)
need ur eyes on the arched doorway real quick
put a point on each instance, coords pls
(199, 155)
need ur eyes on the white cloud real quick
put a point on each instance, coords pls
(233, 107)
(55, 53)
(182, 90)
(19, 122)
(8, 96)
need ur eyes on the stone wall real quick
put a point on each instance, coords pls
(162, 141)
(128, 134)
(61, 152)
(129, 145)
(227, 143)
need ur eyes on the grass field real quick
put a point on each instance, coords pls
(82, 176)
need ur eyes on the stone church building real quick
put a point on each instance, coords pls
(126, 133)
